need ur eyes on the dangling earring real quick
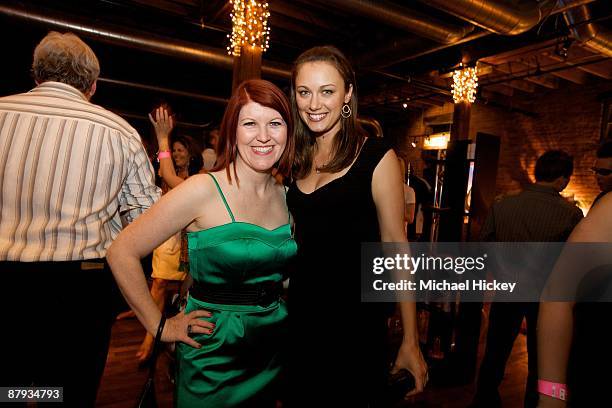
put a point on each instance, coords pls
(346, 111)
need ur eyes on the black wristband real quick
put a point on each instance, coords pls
(160, 328)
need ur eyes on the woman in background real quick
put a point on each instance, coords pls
(170, 258)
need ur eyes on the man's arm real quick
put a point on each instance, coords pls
(139, 191)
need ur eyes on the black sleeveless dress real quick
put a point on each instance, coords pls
(338, 353)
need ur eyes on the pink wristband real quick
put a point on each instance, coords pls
(552, 389)
(164, 154)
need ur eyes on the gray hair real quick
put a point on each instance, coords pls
(65, 58)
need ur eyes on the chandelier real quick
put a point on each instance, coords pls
(249, 26)
(465, 82)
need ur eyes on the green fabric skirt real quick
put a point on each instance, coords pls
(239, 364)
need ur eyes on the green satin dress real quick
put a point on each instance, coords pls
(240, 363)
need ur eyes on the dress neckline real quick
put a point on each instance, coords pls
(227, 224)
(336, 179)
(231, 213)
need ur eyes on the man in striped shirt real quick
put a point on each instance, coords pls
(71, 174)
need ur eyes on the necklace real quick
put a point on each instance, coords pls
(318, 167)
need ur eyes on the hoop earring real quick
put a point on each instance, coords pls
(346, 111)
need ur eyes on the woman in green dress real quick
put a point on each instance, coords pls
(231, 335)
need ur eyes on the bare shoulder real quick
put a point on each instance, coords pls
(387, 179)
(198, 187)
(597, 225)
(387, 165)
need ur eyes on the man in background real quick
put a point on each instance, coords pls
(537, 214)
(71, 174)
(603, 169)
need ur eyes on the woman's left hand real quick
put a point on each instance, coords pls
(410, 357)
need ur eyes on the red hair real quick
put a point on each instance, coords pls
(266, 94)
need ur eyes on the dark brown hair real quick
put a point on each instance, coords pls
(195, 153)
(266, 94)
(349, 139)
(554, 164)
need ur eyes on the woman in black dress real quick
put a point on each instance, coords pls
(347, 190)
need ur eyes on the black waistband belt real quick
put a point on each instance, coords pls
(261, 294)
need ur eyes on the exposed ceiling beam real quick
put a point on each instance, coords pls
(521, 85)
(578, 52)
(523, 52)
(430, 102)
(544, 80)
(500, 89)
(572, 75)
(511, 104)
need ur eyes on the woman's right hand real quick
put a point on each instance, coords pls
(163, 123)
(179, 327)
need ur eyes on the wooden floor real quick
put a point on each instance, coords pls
(123, 380)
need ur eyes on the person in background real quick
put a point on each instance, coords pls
(170, 261)
(232, 332)
(409, 196)
(71, 175)
(603, 169)
(574, 337)
(347, 189)
(424, 199)
(209, 154)
(537, 214)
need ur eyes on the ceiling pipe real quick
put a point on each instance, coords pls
(192, 95)
(502, 16)
(144, 41)
(398, 57)
(590, 34)
(498, 16)
(405, 19)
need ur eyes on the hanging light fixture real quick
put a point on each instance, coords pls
(465, 82)
(249, 26)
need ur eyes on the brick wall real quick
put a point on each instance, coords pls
(567, 119)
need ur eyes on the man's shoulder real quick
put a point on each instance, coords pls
(509, 198)
(56, 105)
(18, 96)
(120, 123)
(530, 198)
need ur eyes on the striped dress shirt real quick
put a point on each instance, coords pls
(69, 172)
(537, 214)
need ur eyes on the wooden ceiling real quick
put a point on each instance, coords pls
(395, 66)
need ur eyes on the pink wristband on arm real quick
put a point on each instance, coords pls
(165, 154)
(553, 389)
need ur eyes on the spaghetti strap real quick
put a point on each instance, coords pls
(229, 211)
(286, 206)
